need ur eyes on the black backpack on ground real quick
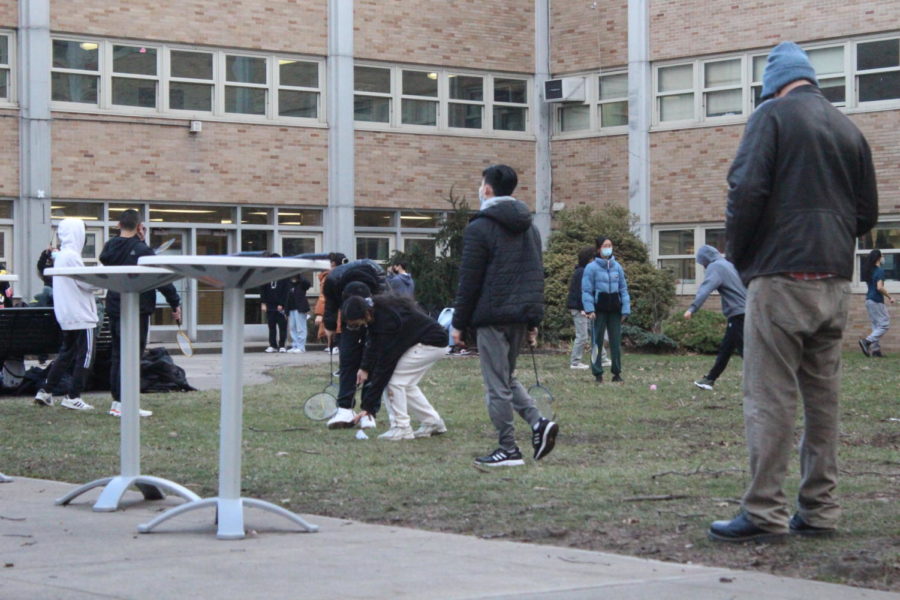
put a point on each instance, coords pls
(159, 373)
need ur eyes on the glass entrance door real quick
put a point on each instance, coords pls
(209, 298)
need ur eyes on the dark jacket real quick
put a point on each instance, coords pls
(402, 283)
(801, 189)
(275, 294)
(365, 271)
(720, 276)
(501, 275)
(573, 301)
(126, 251)
(397, 328)
(297, 299)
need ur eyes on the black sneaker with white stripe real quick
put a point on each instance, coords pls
(501, 458)
(543, 437)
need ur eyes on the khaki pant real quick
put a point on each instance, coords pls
(403, 392)
(792, 353)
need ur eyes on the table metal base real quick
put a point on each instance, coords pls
(112, 494)
(229, 515)
(4, 478)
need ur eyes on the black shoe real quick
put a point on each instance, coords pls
(740, 529)
(864, 346)
(878, 354)
(543, 438)
(800, 527)
(598, 378)
(501, 458)
(618, 379)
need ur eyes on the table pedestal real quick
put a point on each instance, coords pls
(229, 504)
(4, 478)
(130, 432)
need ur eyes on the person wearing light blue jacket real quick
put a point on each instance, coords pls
(604, 293)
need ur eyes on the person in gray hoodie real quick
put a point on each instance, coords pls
(76, 312)
(721, 276)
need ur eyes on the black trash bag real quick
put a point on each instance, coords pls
(31, 381)
(159, 373)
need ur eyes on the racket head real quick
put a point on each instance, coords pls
(595, 351)
(332, 389)
(319, 407)
(184, 343)
(543, 400)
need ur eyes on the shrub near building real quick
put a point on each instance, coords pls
(652, 290)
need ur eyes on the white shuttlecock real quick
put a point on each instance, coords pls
(361, 435)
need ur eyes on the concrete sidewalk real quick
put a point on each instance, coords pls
(72, 553)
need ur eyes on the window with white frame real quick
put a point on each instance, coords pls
(6, 68)
(372, 97)
(676, 251)
(885, 237)
(119, 76)
(438, 99)
(605, 105)
(857, 74)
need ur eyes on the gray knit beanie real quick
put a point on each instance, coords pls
(787, 62)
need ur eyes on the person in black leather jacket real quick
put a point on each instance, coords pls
(501, 294)
(801, 190)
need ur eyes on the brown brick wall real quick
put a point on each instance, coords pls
(495, 35)
(881, 130)
(592, 171)
(225, 163)
(9, 155)
(583, 37)
(9, 13)
(684, 28)
(417, 171)
(687, 173)
(278, 25)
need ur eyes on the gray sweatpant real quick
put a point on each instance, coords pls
(881, 322)
(498, 348)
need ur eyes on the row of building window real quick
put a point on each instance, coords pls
(676, 249)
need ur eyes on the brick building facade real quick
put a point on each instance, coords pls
(441, 89)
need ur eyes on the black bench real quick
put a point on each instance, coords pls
(33, 331)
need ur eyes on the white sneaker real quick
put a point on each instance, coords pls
(429, 429)
(327, 349)
(115, 410)
(335, 350)
(397, 434)
(295, 350)
(367, 422)
(44, 398)
(270, 349)
(75, 404)
(282, 349)
(579, 366)
(342, 419)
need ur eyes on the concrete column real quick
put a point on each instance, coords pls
(640, 105)
(339, 110)
(32, 208)
(541, 120)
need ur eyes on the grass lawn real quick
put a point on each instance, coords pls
(635, 471)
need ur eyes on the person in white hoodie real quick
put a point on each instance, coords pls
(76, 312)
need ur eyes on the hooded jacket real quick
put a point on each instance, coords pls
(604, 275)
(402, 283)
(121, 251)
(800, 190)
(275, 294)
(366, 272)
(722, 276)
(73, 300)
(501, 274)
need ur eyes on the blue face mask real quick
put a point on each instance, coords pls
(605, 252)
(54, 254)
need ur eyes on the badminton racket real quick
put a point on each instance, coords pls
(184, 342)
(595, 349)
(322, 405)
(542, 397)
(332, 388)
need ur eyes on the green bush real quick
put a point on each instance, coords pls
(652, 290)
(702, 333)
(647, 341)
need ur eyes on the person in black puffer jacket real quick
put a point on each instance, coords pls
(273, 298)
(402, 344)
(298, 311)
(501, 294)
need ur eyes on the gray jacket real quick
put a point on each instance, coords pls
(722, 276)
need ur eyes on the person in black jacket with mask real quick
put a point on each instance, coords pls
(273, 298)
(126, 249)
(501, 294)
(401, 345)
(800, 191)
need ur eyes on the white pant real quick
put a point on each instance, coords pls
(403, 391)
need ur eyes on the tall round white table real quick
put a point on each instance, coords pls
(129, 282)
(233, 274)
(8, 277)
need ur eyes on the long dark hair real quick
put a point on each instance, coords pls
(356, 307)
(868, 266)
(586, 255)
